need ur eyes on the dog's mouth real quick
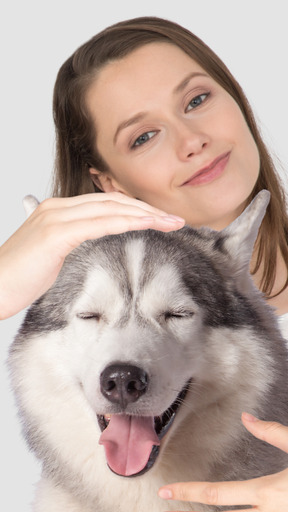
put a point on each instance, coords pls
(132, 443)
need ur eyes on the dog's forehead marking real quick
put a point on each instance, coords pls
(111, 291)
(137, 286)
(134, 251)
(163, 288)
(101, 292)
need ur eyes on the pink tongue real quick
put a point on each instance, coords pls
(128, 441)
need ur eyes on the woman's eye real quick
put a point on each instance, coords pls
(144, 137)
(197, 101)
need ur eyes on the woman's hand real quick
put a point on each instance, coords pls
(265, 494)
(32, 258)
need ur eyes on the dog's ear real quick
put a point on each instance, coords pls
(30, 204)
(240, 236)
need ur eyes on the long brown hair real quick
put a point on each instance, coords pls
(76, 150)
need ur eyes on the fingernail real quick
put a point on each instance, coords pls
(249, 417)
(173, 218)
(166, 494)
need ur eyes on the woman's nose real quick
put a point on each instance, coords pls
(190, 141)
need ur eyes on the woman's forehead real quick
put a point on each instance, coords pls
(142, 76)
(156, 56)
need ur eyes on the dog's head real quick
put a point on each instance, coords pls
(148, 328)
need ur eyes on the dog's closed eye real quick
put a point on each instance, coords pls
(177, 314)
(89, 316)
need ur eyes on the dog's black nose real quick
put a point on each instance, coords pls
(122, 384)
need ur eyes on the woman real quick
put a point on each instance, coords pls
(146, 113)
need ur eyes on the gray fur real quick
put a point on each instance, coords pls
(224, 340)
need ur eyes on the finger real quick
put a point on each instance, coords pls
(117, 197)
(213, 493)
(103, 209)
(77, 232)
(269, 431)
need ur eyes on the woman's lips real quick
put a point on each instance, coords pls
(210, 172)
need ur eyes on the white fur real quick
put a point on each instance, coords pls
(64, 375)
(56, 378)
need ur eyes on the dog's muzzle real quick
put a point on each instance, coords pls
(132, 442)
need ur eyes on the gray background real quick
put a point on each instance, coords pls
(36, 37)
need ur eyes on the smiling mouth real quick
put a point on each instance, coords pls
(132, 443)
(211, 171)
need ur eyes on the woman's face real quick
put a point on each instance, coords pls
(172, 136)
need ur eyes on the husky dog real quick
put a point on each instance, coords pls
(138, 363)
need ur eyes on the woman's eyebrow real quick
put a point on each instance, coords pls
(141, 115)
(132, 120)
(186, 81)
